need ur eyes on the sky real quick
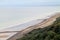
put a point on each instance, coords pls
(29, 2)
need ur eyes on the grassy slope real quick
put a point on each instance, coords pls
(51, 32)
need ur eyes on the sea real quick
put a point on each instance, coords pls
(12, 16)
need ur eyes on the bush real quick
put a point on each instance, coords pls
(51, 32)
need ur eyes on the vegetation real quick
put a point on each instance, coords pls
(51, 32)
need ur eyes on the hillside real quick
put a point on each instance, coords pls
(51, 32)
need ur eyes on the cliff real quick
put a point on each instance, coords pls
(51, 32)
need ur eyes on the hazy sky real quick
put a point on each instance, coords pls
(28, 2)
